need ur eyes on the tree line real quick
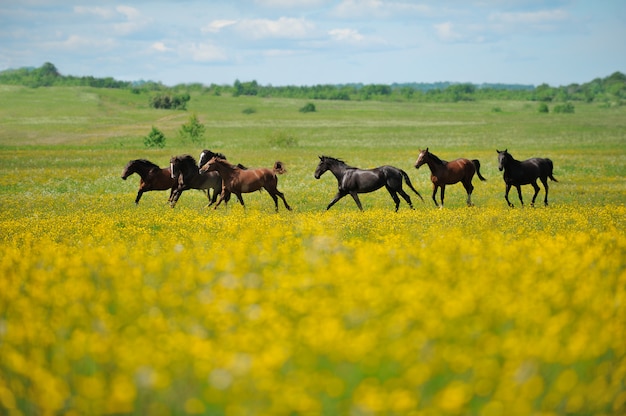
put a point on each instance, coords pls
(608, 90)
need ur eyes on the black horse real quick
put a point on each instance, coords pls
(354, 181)
(207, 155)
(517, 173)
(153, 178)
(185, 168)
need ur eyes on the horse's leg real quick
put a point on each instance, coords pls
(176, 194)
(337, 197)
(406, 197)
(224, 196)
(282, 196)
(536, 187)
(519, 194)
(139, 193)
(355, 196)
(435, 187)
(240, 198)
(506, 194)
(545, 185)
(469, 188)
(394, 196)
(443, 193)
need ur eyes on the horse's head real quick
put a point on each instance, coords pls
(207, 155)
(129, 169)
(503, 158)
(421, 158)
(174, 167)
(323, 166)
(210, 165)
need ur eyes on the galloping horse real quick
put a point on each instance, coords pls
(207, 155)
(238, 180)
(184, 167)
(444, 173)
(354, 181)
(153, 178)
(517, 173)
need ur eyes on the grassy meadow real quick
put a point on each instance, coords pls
(111, 308)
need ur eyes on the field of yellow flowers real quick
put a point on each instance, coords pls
(147, 310)
(111, 308)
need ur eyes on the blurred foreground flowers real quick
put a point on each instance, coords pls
(470, 311)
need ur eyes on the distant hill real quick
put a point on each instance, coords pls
(611, 89)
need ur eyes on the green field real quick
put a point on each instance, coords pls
(108, 307)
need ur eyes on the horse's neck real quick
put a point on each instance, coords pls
(144, 170)
(433, 165)
(339, 171)
(226, 169)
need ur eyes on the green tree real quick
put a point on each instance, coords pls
(156, 138)
(192, 130)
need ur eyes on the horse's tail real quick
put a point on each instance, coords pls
(551, 167)
(410, 185)
(477, 166)
(279, 167)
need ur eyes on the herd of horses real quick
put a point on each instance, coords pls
(219, 178)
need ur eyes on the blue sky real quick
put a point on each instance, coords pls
(307, 42)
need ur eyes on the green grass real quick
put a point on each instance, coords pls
(95, 132)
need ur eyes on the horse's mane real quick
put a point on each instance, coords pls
(437, 160)
(186, 159)
(214, 154)
(334, 160)
(145, 162)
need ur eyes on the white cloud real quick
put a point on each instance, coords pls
(283, 28)
(205, 52)
(97, 11)
(350, 9)
(445, 31)
(538, 17)
(217, 25)
(160, 47)
(346, 35)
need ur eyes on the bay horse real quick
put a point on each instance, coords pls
(184, 167)
(153, 178)
(353, 181)
(517, 173)
(237, 180)
(444, 173)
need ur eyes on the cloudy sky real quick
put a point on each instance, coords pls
(307, 42)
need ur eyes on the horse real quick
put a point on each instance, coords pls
(444, 173)
(184, 167)
(517, 173)
(237, 180)
(354, 181)
(153, 178)
(207, 155)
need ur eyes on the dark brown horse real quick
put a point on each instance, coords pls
(353, 181)
(185, 169)
(444, 173)
(153, 178)
(238, 180)
(517, 173)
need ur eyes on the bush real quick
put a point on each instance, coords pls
(308, 108)
(248, 110)
(281, 139)
(192, 130)
(543, 108)
(564, 108)
(170, 102)
(156, 138)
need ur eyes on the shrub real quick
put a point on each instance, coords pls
(564, 108)
(282, 139)
(192, 130)
(308, 108)
(156, 138)
(248, 110)
(543, 108)
(170, 102)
